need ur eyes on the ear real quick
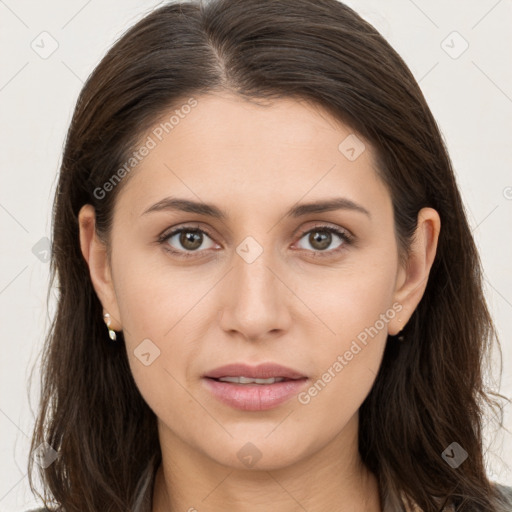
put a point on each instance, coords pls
(412, 278)
(95, 253)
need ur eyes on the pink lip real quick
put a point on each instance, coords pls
(261, 371)
(254, 397)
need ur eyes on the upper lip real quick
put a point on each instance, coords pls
(261, 371)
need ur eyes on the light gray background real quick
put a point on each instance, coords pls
(470, 96)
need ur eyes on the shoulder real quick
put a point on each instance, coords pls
(505, 491)
(44, 509)
(504, 488)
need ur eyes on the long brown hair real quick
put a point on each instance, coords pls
(430, 391)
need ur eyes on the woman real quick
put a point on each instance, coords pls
(270, 298)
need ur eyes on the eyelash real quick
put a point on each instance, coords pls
(343, 235)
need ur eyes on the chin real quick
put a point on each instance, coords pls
(259, 455)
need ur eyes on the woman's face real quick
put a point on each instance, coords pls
(266, 283)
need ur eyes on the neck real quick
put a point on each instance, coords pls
(332, 478)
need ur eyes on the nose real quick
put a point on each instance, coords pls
(255, 299)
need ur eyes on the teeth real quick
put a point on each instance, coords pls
(249, 380)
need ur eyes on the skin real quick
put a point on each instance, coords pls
(288, 306)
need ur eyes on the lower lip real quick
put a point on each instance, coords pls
(254, 397)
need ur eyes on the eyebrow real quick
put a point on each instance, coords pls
(208, 209)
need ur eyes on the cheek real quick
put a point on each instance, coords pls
(152, 295)
(156, 306)
(356, 308)
(352, 299)
(354, 344)
(349, 360)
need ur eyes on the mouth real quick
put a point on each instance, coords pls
(261, 372)
(249, 380)
(254, 388)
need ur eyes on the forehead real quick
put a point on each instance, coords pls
(234, 148)
(222, 120)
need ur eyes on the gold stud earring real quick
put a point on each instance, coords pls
(111, 332)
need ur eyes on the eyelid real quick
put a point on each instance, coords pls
(327, 226)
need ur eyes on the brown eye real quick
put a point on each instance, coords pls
(322, 238)
(186, 240)
(190, 240)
